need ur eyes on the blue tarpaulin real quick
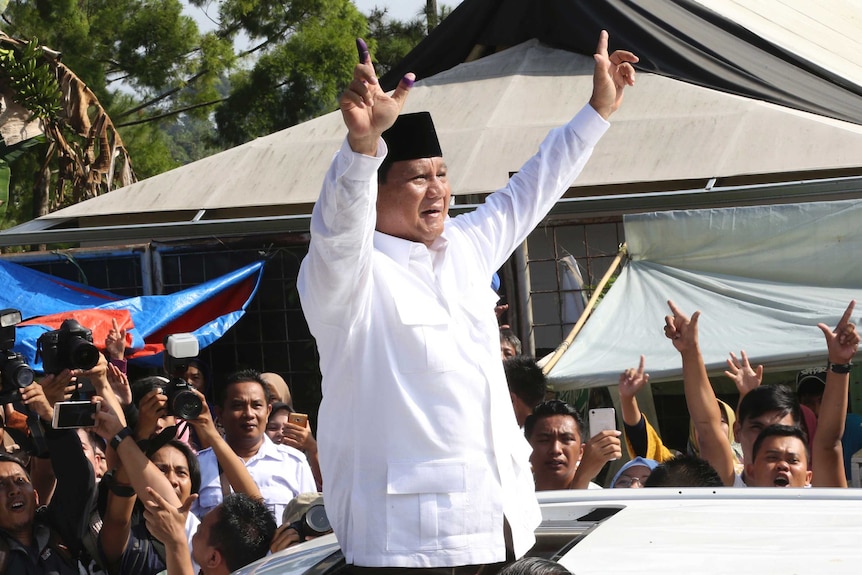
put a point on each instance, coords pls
(207, 310)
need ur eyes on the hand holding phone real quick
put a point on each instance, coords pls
(74, 414)
(300, 419)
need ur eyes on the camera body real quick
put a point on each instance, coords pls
(183, 402)
(68, 347)
(15, 372)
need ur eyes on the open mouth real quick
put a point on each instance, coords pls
(17, 505)
(431, 213)
(781, 481)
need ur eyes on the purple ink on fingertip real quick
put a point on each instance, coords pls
(408, 81)
(362, 48)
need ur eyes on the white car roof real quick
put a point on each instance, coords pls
(672, 531)
(711, 531)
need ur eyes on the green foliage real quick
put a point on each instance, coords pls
(177, 94)
(392, 39)
(297, 79)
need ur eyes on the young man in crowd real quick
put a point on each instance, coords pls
(560, 458)
(281, 472)
(763, 406)
(779, 458)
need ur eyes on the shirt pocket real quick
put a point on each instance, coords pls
(426, 505)
(423, 337)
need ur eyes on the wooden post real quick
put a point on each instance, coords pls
(561, 349)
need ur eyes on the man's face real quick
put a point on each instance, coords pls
(507, 350)
(195, 378)
(781, 462)
(18, 499)
(173, 463)
(746, 432)
(557, 449)
(245, 411)
(414, 201)
(92, 456)
(202, 551)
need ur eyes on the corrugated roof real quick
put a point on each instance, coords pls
(492, 114)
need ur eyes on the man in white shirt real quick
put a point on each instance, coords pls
(280, 472)
(423, 462)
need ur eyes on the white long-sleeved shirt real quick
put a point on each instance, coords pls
(280, 472)
(419, 448)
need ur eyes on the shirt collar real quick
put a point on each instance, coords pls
(267, 450)
(402, 251)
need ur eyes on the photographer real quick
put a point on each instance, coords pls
(125, 542)
(48, 540)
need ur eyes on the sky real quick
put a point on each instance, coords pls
(401, 9)
(398, 9)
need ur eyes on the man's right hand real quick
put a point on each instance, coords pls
(367, 110)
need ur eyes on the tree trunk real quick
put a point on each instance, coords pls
(431, 14)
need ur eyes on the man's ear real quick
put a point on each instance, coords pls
(213, 558)
(737, 427)
(808, 475)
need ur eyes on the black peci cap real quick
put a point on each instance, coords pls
(412, 136)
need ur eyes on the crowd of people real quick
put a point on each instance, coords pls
(422, 461)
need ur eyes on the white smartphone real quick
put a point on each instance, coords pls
(602, 419)
(74, 414)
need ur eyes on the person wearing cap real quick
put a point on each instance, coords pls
(422, 459)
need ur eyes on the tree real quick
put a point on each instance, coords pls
(178, 94)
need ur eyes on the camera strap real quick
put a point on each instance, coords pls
(37, 435)
(153, 444)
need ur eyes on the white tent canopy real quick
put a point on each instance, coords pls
(491, 115)
(763, 277)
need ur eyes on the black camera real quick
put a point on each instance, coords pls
(15, 372)
(69, 347)
(313, 522)
(183, 402)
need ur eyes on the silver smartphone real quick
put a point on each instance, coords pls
(74, 414)
(602, 419)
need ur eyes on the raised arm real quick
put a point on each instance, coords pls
(699, 395)
(641, 438)
(828, 455)
(234, 470)
(336, 269)
(166, 522)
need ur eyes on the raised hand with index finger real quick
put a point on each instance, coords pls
(843, 341)
(367, 110)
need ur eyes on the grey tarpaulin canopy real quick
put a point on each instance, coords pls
(762, 277)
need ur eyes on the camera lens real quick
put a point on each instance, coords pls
(316, 521)
(83, 354)
(186, 405)
(17, 373)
